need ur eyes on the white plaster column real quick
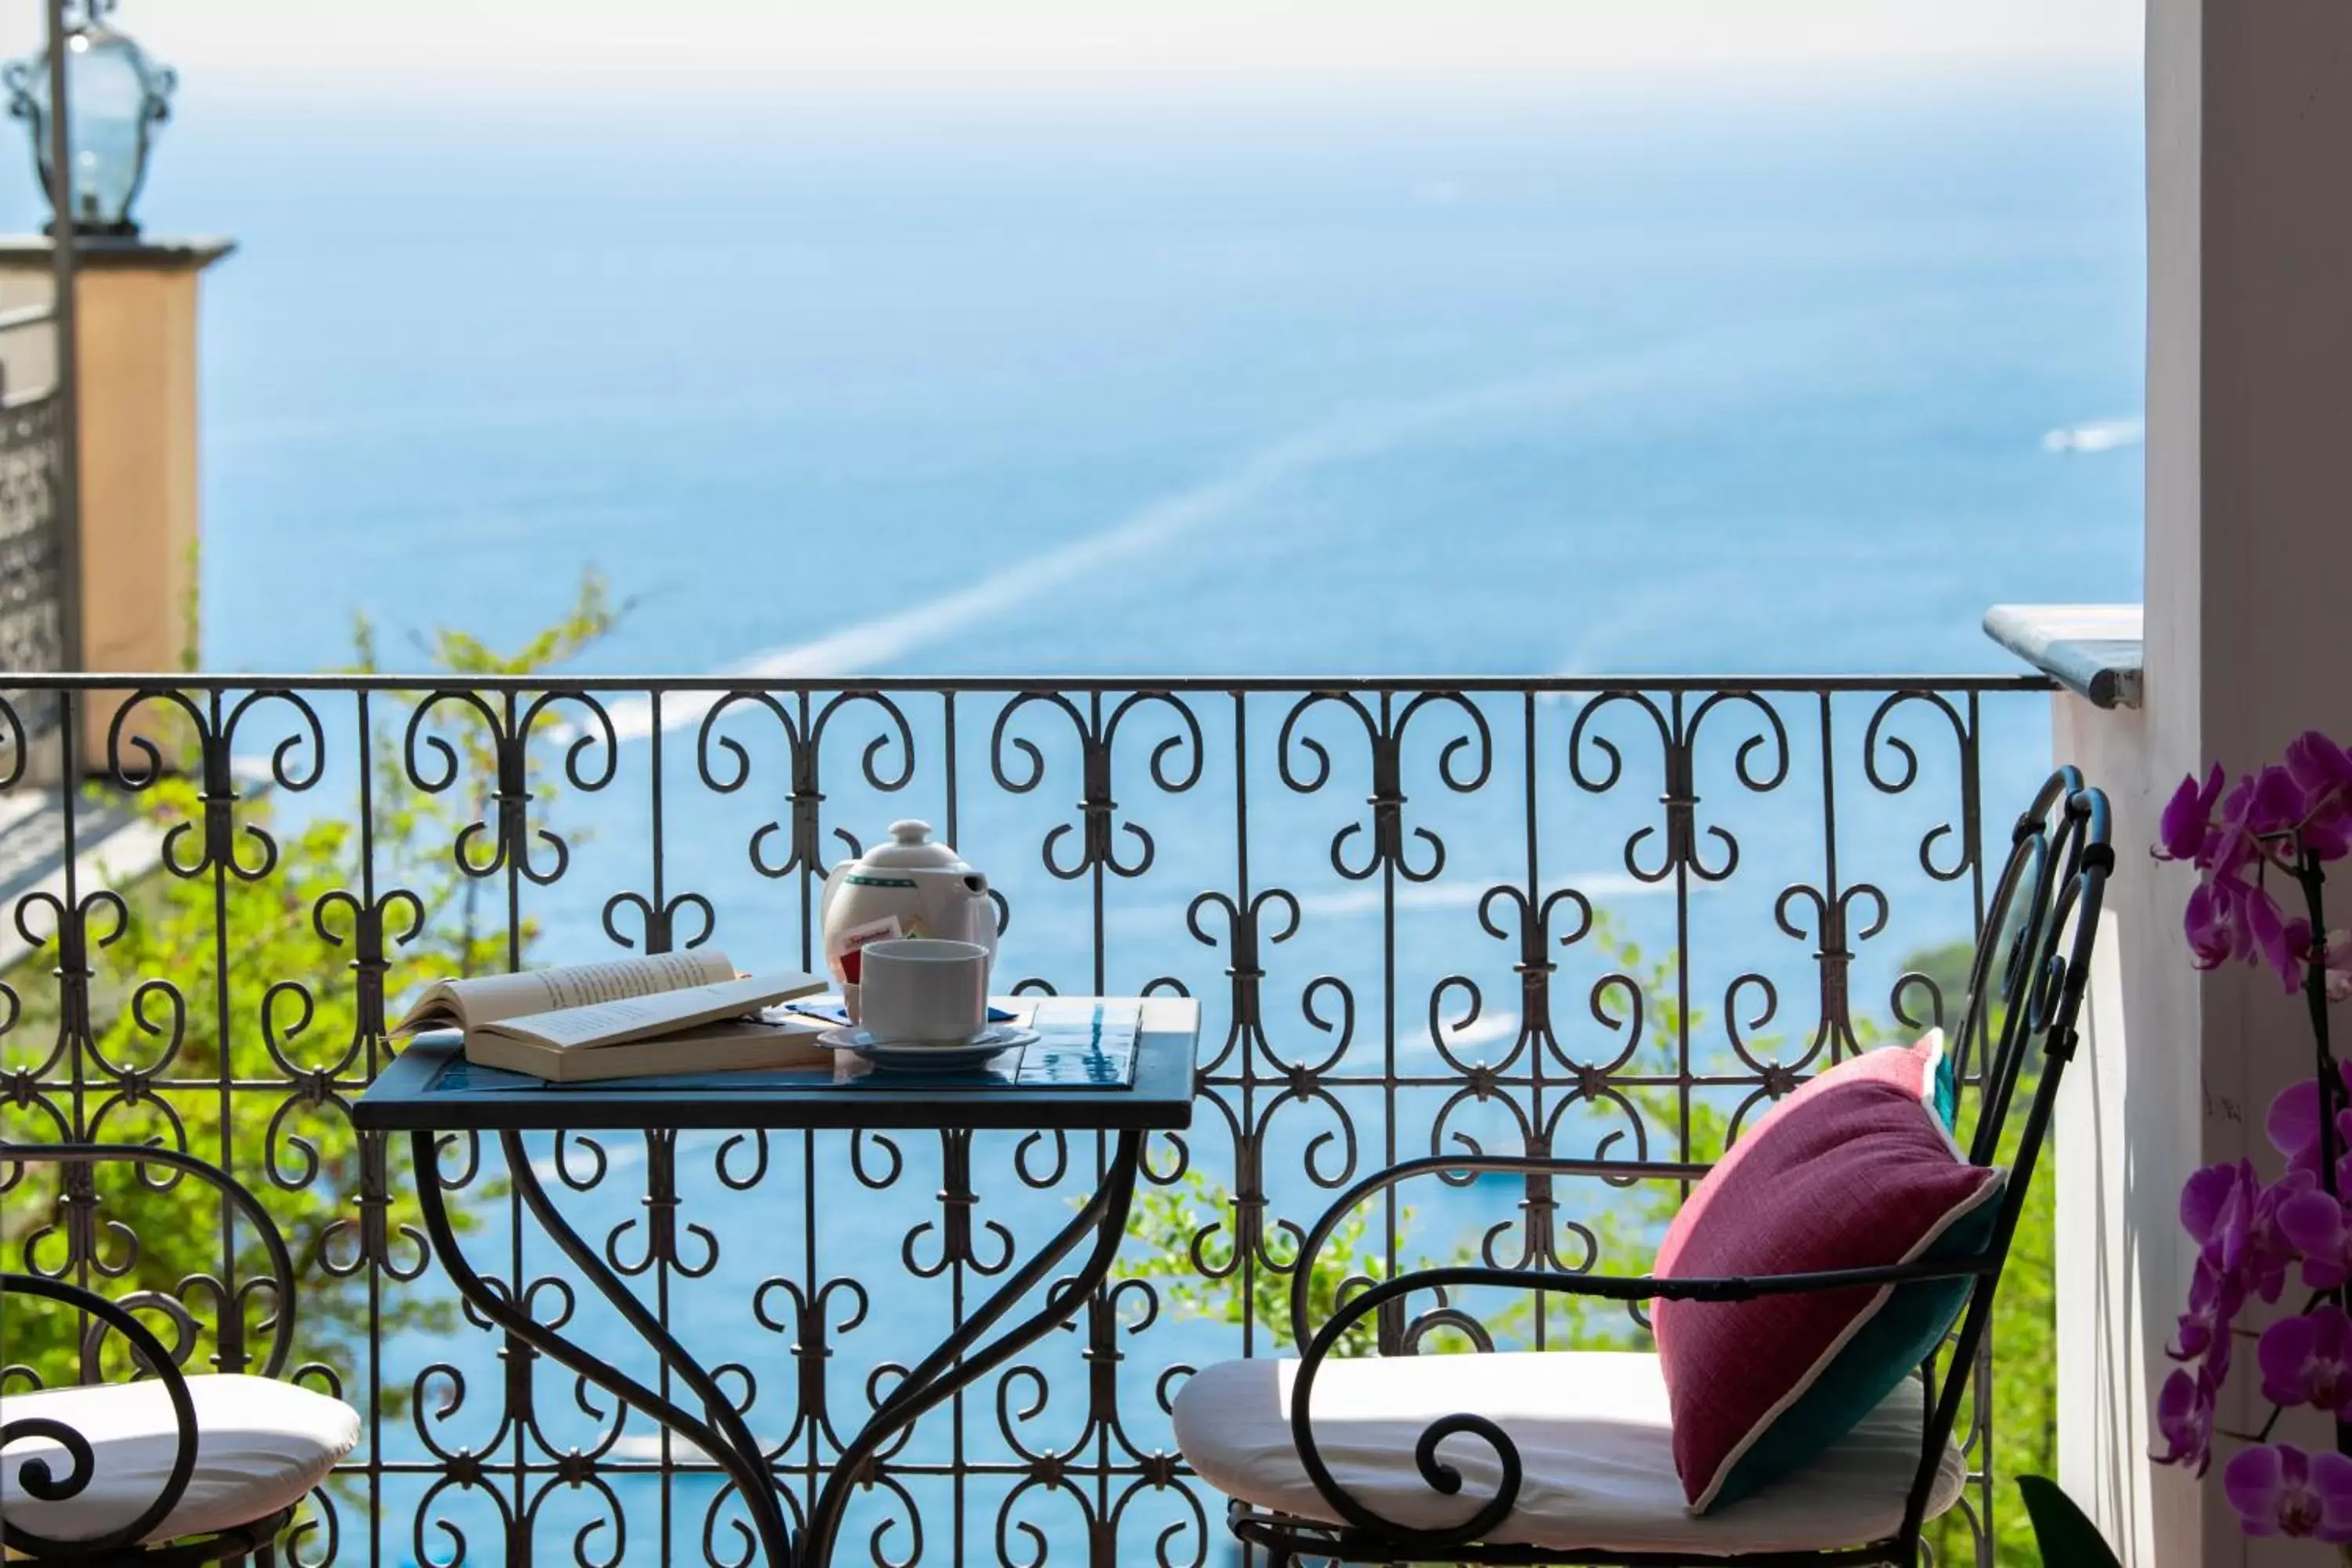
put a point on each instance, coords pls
(2248, 640)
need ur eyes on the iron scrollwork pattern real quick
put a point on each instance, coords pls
(1515, 920)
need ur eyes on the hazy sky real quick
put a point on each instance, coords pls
(552, 44)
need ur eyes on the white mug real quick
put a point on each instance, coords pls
(922, 990)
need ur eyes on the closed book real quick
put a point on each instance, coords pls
(726, 1046)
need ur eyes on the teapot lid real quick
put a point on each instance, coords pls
(911, 847)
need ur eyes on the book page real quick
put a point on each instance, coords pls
(621, 1019)
(485, 998)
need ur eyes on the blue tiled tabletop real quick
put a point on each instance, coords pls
(1060, 1083)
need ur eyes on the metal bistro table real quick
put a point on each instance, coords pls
(430, 1093)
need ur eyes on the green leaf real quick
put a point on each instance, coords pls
(2068, 1539)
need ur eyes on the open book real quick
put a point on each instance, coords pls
(627, 1017)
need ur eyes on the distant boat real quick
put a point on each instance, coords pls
(2097, 436)
(645, 1447)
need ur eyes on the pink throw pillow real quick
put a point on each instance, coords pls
(1853, 1170)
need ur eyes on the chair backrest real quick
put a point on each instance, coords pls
(80, 1246)
(71, 1261)
(2031, 959)
(2020, 1025)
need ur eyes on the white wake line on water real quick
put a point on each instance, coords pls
(1487, 1029)
(887, 638)
(1345, 439)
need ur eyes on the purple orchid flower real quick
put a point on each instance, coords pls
(2217, 1207)
(2307, 1360)
(2262, 1262)
(2208, 1188)
(2188, 817)
(2293, 951)
(2268, 820)
(2279, 1489)
(2335, 953)
(2283, 943)
(2292, 1124)
(2215, 923)
(2318, 763)
(2259, 817)
(2313, 1222)
(2274, 811)
(2214, 1298)
(2184, 1418)
(2234, 1221)
(2322, 770)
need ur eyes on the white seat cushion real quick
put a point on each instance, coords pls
(260, 1446)
(1595, 1442)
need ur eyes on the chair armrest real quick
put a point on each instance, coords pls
(1617, 1172)
(41, 1482)
(284, 1296)
(1444, 1478)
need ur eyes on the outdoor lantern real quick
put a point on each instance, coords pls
(115, 94)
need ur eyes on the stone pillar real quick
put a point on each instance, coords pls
(137, 375)
(2248, 641)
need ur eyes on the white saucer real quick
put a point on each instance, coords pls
(916, 1056)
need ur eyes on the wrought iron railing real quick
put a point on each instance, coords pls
(1573, 915)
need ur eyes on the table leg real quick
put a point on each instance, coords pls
(946, 1370)
(723, 1436)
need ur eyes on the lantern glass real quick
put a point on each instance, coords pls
(117, 95)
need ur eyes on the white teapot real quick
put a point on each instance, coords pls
(908, 886)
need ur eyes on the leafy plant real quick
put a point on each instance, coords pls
(1186, 1232)
(2064, 1534)
(228, 948)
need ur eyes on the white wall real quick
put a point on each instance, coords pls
(2249, 640)
(2129, 1127)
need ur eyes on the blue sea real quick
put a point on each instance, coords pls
(1642, 377)
(1639, 377)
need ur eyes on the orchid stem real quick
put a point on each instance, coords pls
(2331, 1079)
(2315, 996)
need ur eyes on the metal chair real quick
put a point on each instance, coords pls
(165, 1471)
(1573, 1463)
